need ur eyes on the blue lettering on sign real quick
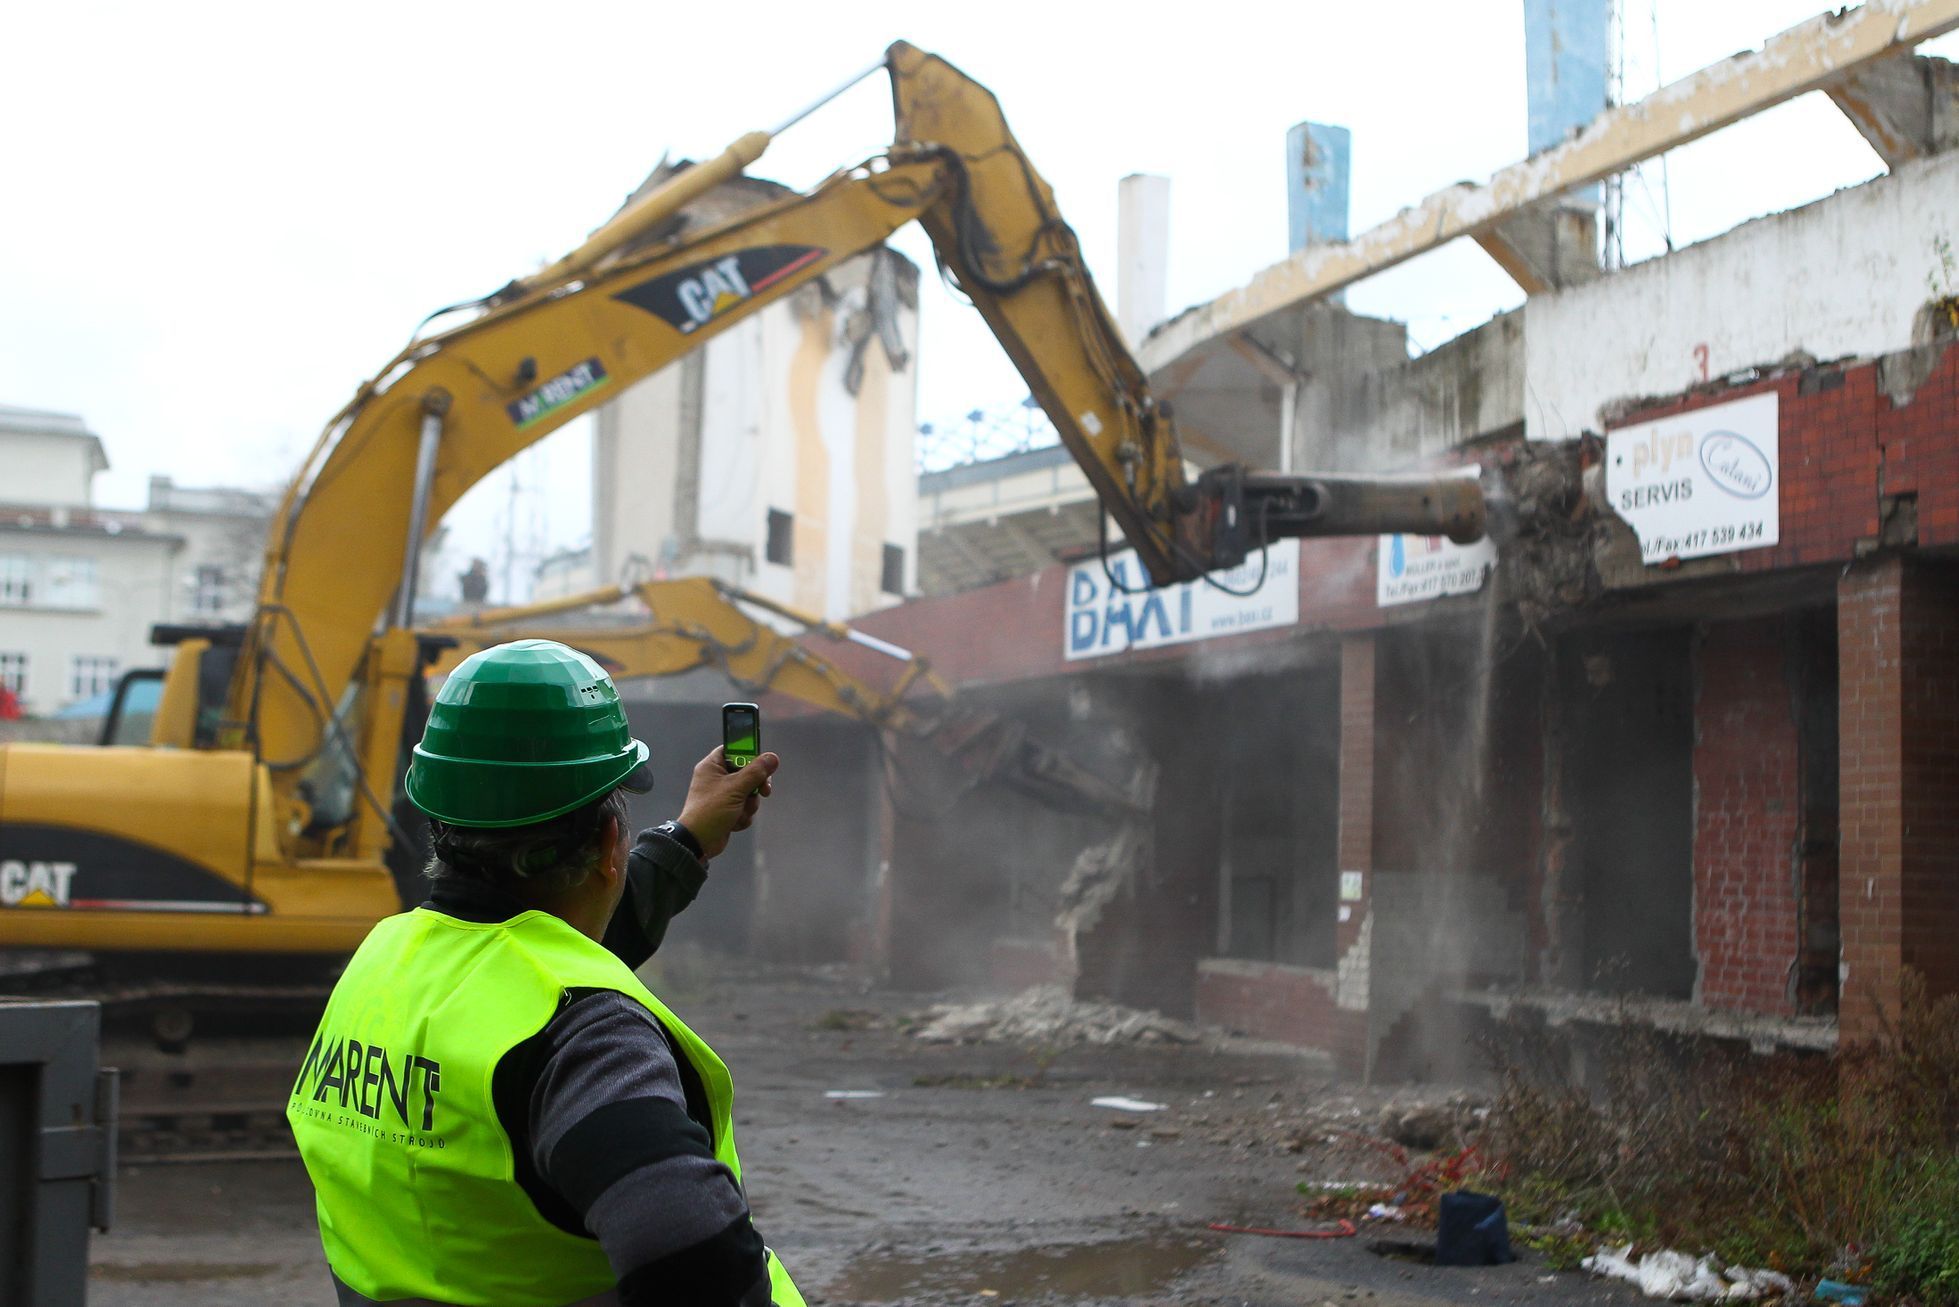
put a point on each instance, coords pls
(1082, 624)
(1121, 610)
(1117, 614)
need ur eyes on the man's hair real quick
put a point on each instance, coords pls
(545, 857)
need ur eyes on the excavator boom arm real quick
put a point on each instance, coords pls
(644, 291)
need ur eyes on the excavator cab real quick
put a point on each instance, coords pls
(182, 706)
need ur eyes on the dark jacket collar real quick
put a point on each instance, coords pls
(467, 899)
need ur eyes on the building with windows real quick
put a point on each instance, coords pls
(223, 534)
(79, 587)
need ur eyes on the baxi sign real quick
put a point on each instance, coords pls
(1699, 483)
(1108, 612)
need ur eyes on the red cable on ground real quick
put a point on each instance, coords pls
(1346, 1231)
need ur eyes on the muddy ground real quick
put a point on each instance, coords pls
(982, 1175)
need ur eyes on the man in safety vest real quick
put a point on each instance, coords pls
(495, 1110)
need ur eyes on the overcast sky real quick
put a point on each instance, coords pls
(219, 218)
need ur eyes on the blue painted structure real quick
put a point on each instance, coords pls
(1567, 48)
(1317, 160)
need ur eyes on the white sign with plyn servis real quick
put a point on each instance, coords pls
(1699, 483)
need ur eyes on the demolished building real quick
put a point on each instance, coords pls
(1677, 748)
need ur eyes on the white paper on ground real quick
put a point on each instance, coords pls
(1126, 1104)
(853, 1093)
(1682, 1278)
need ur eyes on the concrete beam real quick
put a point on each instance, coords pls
(1807, 57)
(1906, 107)
(1547, 248)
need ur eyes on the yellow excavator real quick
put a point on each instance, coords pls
(258, 817)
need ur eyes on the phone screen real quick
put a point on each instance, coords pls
(741, 734)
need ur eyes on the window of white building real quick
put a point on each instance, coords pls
(207, 593)
(13, 671)
(71, 582)
(16, 579)
(91, 675)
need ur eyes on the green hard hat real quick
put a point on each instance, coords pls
(521, 733)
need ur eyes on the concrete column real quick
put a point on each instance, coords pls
(1898, 769)
(1142, 253)
(1356, 768)
(1354, 935)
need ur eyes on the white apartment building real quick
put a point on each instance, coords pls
(79, 589)
(81, 586)
(223, 532)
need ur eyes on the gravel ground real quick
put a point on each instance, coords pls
(981, 1175)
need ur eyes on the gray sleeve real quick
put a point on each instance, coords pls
(611, 1134)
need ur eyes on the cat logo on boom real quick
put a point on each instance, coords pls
(35, 884)
(689, 298)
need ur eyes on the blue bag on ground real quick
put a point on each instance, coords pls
(1471, 1230)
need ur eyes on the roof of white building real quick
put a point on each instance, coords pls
(15, 420)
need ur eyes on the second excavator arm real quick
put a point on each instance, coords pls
(698, 622)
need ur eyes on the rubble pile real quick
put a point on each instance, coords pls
(1047, 1014)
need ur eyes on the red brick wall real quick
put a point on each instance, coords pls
(1747, 818)
(1920, 445)
(1898, 644)
(1843, 444)
(1291, 1004)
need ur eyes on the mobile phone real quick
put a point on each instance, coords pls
(741, 734)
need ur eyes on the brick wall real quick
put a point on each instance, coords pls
(1747, 818)
(1898, 761)
(1845, 445)
(1269, 1000)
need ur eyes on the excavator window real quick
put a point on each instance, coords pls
(132, 709)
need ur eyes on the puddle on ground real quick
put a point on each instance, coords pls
(179, 1272)
(1099, 1270)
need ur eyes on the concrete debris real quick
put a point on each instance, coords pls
(1683, 1278)
(1103, 871)
(1426, 1127)
(1546, 527)
(1046, 1014)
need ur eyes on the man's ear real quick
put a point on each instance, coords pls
(611, 832)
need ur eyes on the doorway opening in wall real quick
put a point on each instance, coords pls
(1628, 701)
(1819, 939)
(1278, 864)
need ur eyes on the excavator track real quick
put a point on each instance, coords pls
(222, 1099)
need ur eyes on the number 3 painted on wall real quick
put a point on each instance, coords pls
(1700, 357)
